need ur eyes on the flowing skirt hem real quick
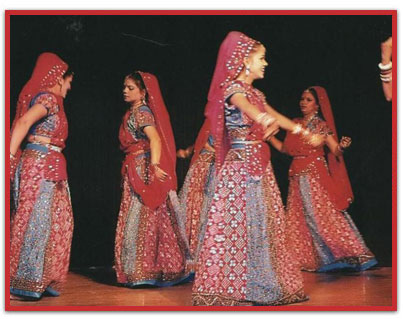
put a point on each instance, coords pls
(199, 299)
(159, 282)
(349, 264)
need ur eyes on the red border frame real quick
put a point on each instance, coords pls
(393, 13)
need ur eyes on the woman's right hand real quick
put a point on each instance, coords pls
(181, 153)
(185, 153)
(160, 174)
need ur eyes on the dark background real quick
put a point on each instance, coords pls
(339, 53)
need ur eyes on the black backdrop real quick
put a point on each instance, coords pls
(339, 53)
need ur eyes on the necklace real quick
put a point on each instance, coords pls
(310, 119)
(137, 104)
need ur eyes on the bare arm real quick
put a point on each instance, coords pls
(288, 125)
(155, 149)
(284, 122)
(245, 106)
(277, 144)
(34, 114)
(335, 147)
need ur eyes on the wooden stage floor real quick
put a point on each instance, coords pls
(97, 287)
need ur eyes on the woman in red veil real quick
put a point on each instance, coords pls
(320, 231)
(150, 244)
(244, 259)
(41, 218)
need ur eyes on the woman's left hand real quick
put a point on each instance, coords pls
(345, 142)
(160, 174)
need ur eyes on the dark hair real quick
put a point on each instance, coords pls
(69, 72)
(136, 77)
(314, 94)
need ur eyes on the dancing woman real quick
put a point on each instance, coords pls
(41, 219)
(320, 231)
(150, 245)
(244, 258)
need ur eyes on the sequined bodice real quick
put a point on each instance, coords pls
(237, 123)
(54, 124)
(137, 121)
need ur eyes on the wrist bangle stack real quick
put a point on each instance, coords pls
(264, 119)
(385, 72)
(385, 67)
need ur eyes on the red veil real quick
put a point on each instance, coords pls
(154, 193)
(233, 50)
(48, 68)
(337, 167)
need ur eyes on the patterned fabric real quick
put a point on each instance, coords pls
(149, 244)
(195, 197)
(141, 117)
(244, 258)
(322, 237)
(42, 220)
(50, 125)
(230, 62)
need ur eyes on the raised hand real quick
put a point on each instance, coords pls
(345, 142)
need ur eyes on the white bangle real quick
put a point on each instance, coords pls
(264, 119)
(267, 120)
(385, 67)
(386, 79)
(388, 75)
(260, 116)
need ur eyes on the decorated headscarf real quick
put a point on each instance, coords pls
(337, 167)
(232, 52)
(48, 69)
